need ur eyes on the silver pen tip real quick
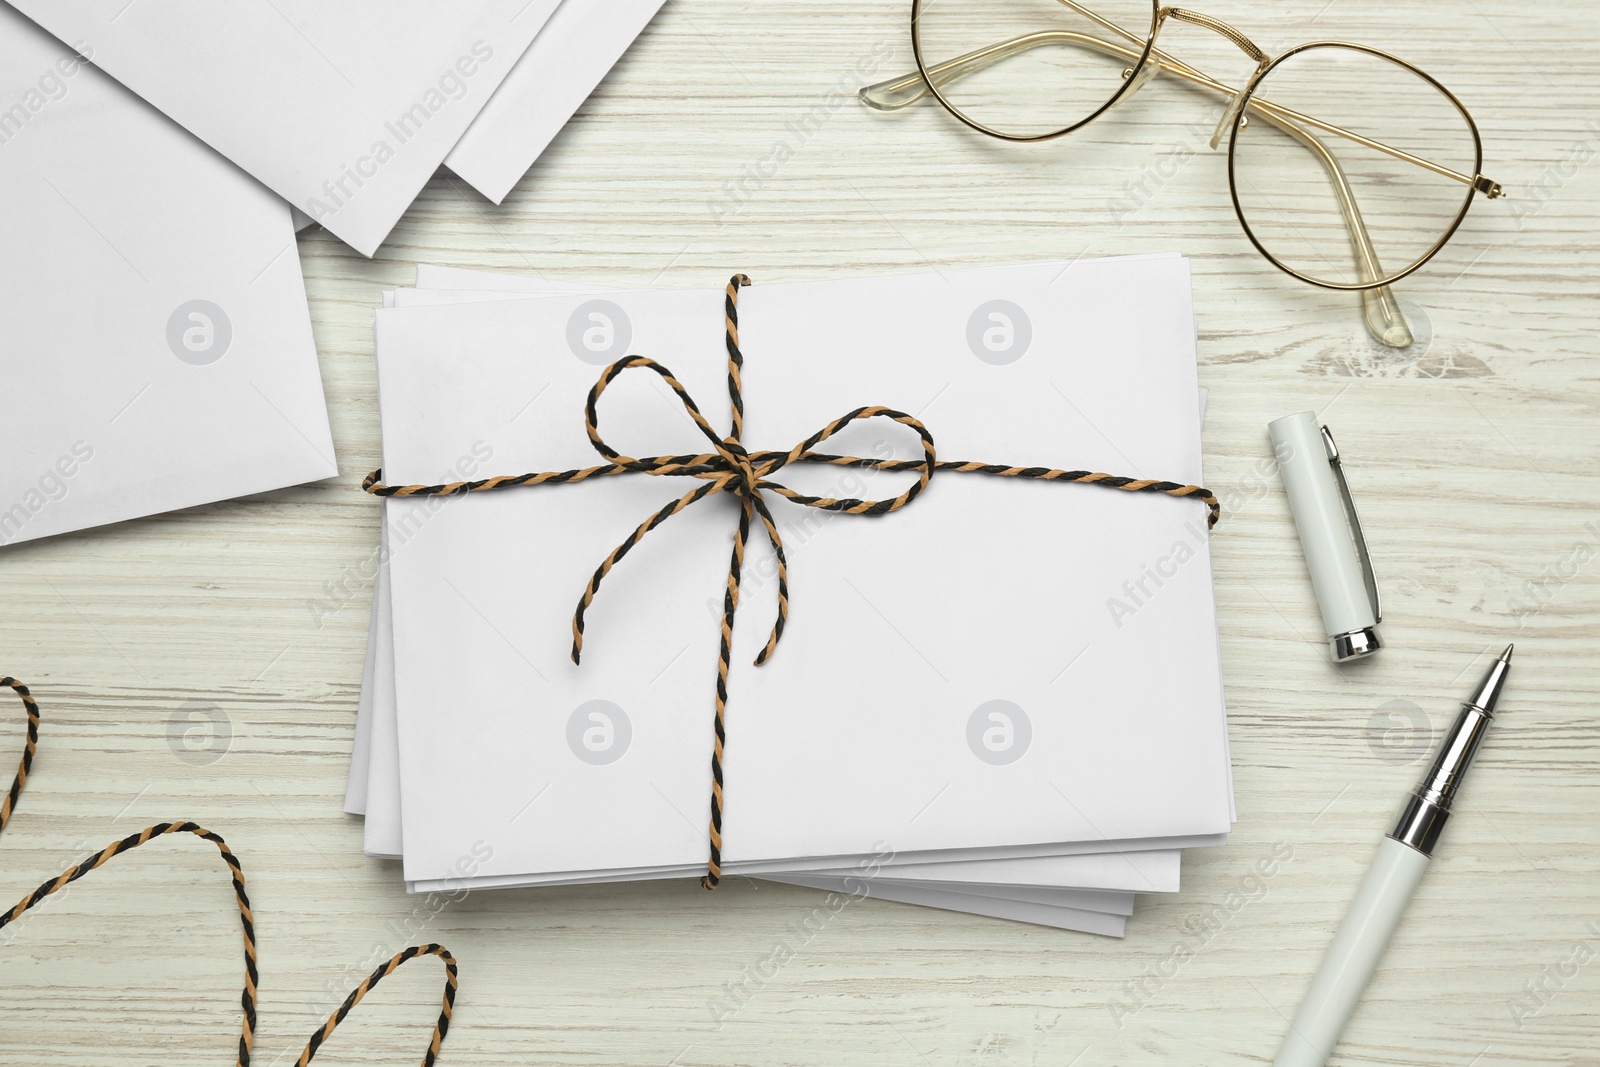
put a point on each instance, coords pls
(1488, 692)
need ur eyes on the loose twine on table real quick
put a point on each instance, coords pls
(729, 468)
(247, 999)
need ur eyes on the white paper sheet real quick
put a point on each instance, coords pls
(159, 340)
(361, 758)
(445, 525)
(1111, 903)
(381, 836)
(345, 110)
(1089, 922)
(581, 42)
(1135, 870)
(355, 790)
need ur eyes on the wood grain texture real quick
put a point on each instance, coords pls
(1474, 462)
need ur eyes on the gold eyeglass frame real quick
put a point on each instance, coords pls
(1145, 60)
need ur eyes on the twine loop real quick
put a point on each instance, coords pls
(252, 975)
(730, 468)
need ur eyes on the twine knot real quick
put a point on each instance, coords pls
(745, 474)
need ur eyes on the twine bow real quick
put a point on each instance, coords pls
(730, 468)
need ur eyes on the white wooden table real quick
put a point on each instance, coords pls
(1475, 466)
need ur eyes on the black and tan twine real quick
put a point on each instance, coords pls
(730, 468)
(247, 999)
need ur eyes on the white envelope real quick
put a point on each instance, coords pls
(1107, 902)
(156, 335)
(344, 109)
(472, 582)
(355, 789)
(373, 789)
(581, 42)
(1138, 870)
(381, 800)
(1062, 918)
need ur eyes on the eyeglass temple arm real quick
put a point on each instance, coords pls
(895, 93)
(1379, 306)
(902, 92)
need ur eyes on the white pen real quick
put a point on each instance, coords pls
(1386, 890)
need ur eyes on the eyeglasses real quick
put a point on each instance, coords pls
(1349, 168)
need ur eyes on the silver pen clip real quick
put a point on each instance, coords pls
(1367, 574)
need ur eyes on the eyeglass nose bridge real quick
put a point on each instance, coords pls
(1230, 113)
(1215, 25)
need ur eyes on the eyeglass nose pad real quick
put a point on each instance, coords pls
(1229, 113)
(1149, 70)
(1237, 101)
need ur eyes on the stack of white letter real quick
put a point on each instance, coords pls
(1003, 699)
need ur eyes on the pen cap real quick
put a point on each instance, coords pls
(1329, 534)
